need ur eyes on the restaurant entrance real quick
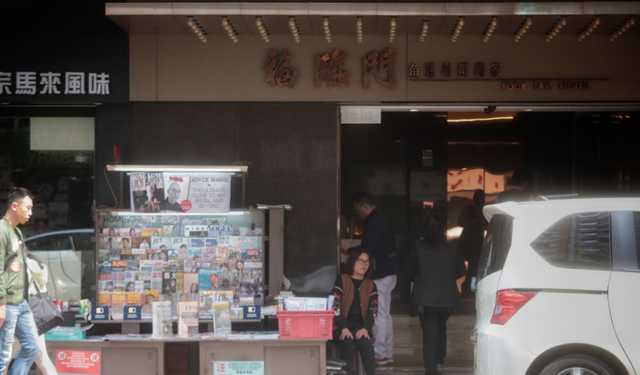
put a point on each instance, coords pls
(414, 163)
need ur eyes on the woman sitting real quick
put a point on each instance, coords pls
(356, 305)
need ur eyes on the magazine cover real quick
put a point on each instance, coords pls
(171, 231)
(196, 230)
(209, 279)
(201, 264)
(190, 282)
(147, 191)
(105, 285)
(141, 222)
(221, 317)
(169, 282)
(209, 254)
(170, 220)
(224, 295)
(161, 318)
(190, 266)
(158, 242)
(187, 318)
(129, 232)
(104, 299)
(207, 297)
(220, 230)
(175, 192)
(222, 254)
(151, 232)
(176, 265)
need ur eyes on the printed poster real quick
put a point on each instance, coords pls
(209, 192)
(238, 367)
(82, 362)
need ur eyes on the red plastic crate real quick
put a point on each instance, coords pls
(305, 324)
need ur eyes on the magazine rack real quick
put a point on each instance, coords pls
(250, 237)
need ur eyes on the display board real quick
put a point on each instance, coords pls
(144, 257)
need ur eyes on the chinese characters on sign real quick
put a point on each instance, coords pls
(53, 83)
(330, 68)
(238, 367)
(463, 70)
(279, 71)
(385, 62)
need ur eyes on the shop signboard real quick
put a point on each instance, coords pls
(78, 362)
(238, 367)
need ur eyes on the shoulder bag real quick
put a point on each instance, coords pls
(45, 312)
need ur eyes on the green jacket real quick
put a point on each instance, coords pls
(12, 279)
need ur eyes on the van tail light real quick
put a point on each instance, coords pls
(508, 302)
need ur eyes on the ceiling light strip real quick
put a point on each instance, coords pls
(326, 26)
(524, 26)
(622, 28)
(457, 29)
(230, 30)
(588, 28)
(424, 28)
(555, 28)
(491, 27)
(295, 30)
(262, 29)
(197, 28)
(359, 29)
(393, 24)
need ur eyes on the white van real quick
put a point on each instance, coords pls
(558, 289)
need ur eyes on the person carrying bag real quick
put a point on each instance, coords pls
(45, 313)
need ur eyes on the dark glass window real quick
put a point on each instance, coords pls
(578, 241)
(496, 245)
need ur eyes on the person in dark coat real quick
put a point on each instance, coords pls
(434, 266)
(471, 239)
(518, 191)
(355, 304)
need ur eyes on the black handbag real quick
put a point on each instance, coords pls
(45, 312)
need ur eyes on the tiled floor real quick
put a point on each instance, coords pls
(408, 344)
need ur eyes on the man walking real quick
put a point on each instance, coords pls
(16, 318)
(380, 241)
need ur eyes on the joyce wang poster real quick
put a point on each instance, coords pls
(196, 193)
(209, 192)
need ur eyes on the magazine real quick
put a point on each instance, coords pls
(147, 191)
(207, 298)
(161, 318)
(175, 192)
(221, 317)
(209, 279)
(187, 318)
(189, 282)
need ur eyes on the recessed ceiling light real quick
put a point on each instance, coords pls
(413, 110)
(528, 110)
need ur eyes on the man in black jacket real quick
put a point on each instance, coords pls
(380, 241)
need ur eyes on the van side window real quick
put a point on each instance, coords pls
(496, 245)
(578, 241)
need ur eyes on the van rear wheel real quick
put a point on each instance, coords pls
(577, 364)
